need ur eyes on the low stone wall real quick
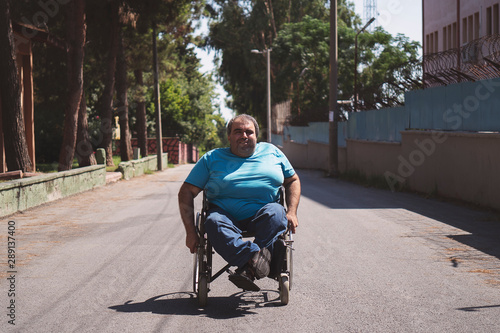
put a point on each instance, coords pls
(141, 166)
(21, 194)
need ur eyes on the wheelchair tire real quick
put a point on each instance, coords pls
(196, 273)
(289, 260)
(196, 264)
(202, 291)
(284, 286)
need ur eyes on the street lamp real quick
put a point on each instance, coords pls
(356, 62)
(267, 52)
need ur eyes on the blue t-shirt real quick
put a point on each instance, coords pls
(239, 185)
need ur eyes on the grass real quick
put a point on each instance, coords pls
(116, 160)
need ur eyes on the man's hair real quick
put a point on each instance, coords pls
(247, 118)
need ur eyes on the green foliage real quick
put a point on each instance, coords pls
(303, 50)
(387, 65)
(187, 100)
(188, 111)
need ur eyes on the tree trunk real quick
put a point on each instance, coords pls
(141, 124)
(270, 12)
(16, 147)
(122, 102)
(84, 151)
(106, 101)
(76, 33)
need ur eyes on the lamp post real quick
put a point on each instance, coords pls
(356, 62)
(267, 52)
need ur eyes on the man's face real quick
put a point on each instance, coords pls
(242, 139)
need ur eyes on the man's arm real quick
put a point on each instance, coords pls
(186, 195)
(292, 197)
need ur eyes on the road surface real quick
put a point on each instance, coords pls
(366, 260)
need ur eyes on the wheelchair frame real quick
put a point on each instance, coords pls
(202, 272)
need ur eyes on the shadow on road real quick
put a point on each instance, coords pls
(483, 226)
(478, 308)
(185, 304)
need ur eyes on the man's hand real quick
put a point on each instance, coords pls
(293, 222)
(187, 193)
(292, 197)
(192, 241)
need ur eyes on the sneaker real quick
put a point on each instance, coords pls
(279, 253)
(260, 263)
(243, 278)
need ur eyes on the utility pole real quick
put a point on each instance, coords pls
(333, 159)
(356, 63)
(159, 145)
(267, 52)
(269, 124)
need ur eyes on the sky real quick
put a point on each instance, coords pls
(395, 16)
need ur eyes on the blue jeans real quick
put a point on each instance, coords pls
(224, 232)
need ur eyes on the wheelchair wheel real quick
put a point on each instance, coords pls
(196, 273)
(284, 287)
(289, 258)
(196, 264)
(200, 278)
(202, 266)
(203, 291)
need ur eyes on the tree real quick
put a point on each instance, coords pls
(84, 151)
(101, 89)
(16, 148)
(106, 99)
(299, 57)
(238, 27)
(390, 69)
(75, 38)
(122, 101)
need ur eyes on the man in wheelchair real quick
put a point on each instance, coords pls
(242, 185)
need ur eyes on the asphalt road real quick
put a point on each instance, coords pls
(366, 260)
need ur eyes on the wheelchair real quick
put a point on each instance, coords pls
(202, 272)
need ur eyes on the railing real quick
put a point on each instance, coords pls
(476, 60)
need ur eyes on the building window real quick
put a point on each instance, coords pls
(454, 34)
(470, 28)
(445, 41)
(450, 40)
(495, 19)
(477, 25)
(489, 24)
(436, 40)
(464, 30)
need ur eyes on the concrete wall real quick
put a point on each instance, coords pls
(141, 166)
(372, 158)
(313, 155)
(21, 194)
(458, 165)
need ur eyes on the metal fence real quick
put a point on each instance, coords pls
(474, 61)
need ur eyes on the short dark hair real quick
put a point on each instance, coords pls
(246, 117)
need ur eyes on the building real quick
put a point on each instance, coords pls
(460, 40)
